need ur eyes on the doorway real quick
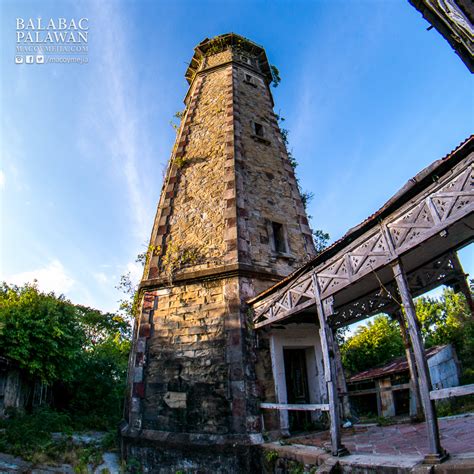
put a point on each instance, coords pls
(296, 375)
(401, 400)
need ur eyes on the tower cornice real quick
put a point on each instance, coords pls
(237, 44)
(219, 273)
(223, 65)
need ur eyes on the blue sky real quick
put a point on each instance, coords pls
(369, 95)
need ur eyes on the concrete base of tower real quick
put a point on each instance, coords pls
(161, 452)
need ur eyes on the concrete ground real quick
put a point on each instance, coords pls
(374, 449)
(457, 437)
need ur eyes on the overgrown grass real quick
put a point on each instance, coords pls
(24, 434)
(455, 406)
(29, 436)
(467, 376)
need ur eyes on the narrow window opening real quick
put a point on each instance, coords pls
(279, 237)
(258, 129)
(248, 77)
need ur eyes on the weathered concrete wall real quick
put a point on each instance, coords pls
(302, 336)
(17, 391)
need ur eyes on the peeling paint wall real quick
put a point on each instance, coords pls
(444, 368)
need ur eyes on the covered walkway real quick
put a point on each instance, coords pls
(403, 250)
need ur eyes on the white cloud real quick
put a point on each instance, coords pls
(101, 278)
(136, 271)
(52, 277)
(119, 121)
(2, 179)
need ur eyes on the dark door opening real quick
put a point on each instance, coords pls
(297, 386)
(401, 399)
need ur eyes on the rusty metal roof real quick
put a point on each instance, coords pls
(397, 365)
(413, 186)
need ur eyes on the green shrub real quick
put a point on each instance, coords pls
(25, 434)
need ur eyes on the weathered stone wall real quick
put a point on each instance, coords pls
(258, 347)
(216, 59)
(226, 185)
(186, 373)
(266, 186)
(196, 458)
(181, 372)
(191, 227)
(194, 364)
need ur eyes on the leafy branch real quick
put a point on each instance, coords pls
(320, 238)
(179, 116)
(276, 79)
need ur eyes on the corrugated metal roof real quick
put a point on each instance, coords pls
(393, 367)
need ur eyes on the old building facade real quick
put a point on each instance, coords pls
(230, 223)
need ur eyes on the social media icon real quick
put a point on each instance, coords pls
(18, 59)
(29, 59)
(40, 59)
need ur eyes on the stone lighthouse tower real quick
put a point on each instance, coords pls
(230, 222)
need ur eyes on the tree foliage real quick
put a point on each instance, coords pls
(443, 320)
(320, 239)
(372, 344)
(276, 79)
(39, 331)
(447, 320)
(97, 390)
(79, 351)
(128, 305)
